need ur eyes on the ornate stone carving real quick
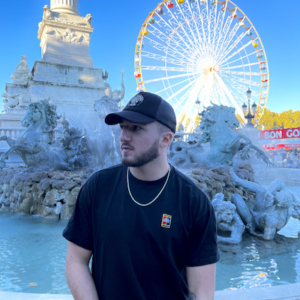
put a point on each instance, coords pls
(271, 210)
(47, 13)
(68, 35)
(216, 127)
(88, 20)
(101, 143)
(117, 95)
(22, 74)
(20, 100)
(33, 145)
(228, 220)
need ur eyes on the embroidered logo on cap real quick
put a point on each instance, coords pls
(136, 100)
(166, 221)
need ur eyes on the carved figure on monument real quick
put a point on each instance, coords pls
(105, 75)
(271, 211)
(20, 100)
(88, 20)
(228, 221)
(69, 138)
(101, 143)
(115, 96)
(216, 127)
(33, 144)
(47, 13)
(22, 74)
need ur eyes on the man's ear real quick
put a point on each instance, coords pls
(167, 138)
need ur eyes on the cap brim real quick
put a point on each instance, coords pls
(131, 116)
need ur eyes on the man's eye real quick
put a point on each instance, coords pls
(136, 128)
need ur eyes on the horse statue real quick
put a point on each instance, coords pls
(218, 126)
(33, 145)
(101, 143)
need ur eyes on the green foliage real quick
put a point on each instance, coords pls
(285, 119)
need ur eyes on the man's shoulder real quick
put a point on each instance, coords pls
(105, 174)
(186, 181)
(193, 195)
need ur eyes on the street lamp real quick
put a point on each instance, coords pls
(198, 103)
(249, 116)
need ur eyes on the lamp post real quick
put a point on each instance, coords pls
(249, 116)
(198, 103)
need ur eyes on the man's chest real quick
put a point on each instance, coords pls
(121, 223)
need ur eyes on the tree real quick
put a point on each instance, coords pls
(285, 119)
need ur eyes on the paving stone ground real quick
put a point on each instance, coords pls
(282, 292)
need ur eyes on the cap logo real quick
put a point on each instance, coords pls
(136, 100)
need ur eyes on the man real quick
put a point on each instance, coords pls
(151, 231)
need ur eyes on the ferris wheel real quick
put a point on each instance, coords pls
(201, 49)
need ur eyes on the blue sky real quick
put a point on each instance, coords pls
(117, 24)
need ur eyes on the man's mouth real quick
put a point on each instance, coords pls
(126, 148)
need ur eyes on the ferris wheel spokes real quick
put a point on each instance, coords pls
(241, 66)
(241, 73)
(246, 56)
(169, 77)
(170, 87)
(172, 61)
(196, 48)
(232, 46)
(238, 51)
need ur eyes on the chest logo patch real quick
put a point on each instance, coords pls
(166, 221)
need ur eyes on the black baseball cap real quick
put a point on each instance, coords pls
(145, 108)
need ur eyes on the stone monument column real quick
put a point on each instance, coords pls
(65, 35)
(65, 6)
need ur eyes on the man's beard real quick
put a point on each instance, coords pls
(143, 158)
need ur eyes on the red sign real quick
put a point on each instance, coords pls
(278, 146)
(276, 134)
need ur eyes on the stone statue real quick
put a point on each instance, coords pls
(21, 100)
(216, 127)
(105, 75)
(47, 13)
(101, 143)
(22, 74)
(74, 146)
(271, 210)
(69, 136)
(228, 220)
(88, 20)
(33, 145)
(115, 96)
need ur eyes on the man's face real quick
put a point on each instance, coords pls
(139, 143)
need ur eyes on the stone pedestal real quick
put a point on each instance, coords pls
(65, 35)
(72, 89)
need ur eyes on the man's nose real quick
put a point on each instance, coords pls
(125, 136)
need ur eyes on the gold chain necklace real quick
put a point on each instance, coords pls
(147, 204)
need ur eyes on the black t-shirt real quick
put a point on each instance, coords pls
(140, 253)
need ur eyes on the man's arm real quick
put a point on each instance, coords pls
(78, 274)
(202, 281)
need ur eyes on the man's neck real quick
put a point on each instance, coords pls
(151, 171)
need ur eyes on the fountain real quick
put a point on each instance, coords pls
(258, 228)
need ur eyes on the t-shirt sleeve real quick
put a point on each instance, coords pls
(202, 246)
(79, 229)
